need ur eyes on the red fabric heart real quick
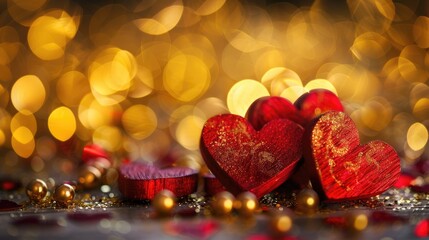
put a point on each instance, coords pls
(339, 167)
(266, 109)
(141, 181)
(307, 107)
(316, 102)
(244, 159)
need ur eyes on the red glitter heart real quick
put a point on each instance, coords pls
(244, 159)
(141, 181)
(339, 167)
(266, 109)
(316, 102)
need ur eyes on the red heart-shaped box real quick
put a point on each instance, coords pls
(142, 181)
(339, 167)
(244, 159)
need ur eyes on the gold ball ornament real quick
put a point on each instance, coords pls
(222, 203)
(37, 190)
(89, 177)
(307, 201)
(164, 202)
(281, 222)
(356, 221)
(64, 194)
(246, 204)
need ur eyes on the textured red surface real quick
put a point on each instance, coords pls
(140, 181)
(244, 159)
(339, 167)
(212, 185)
(266, 109)
(313, 104)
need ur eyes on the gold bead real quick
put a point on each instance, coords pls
(281, 222)
(89, 177)
(223, 203)
(307, 201)
(356, 221)
(164, 202)
(64, 194)
(36, 190)
(246, 204)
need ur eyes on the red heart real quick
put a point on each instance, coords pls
(141, 181)
(316, 102)
(244, 159)
(339, 167)
(266, 109)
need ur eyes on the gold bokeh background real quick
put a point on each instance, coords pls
(140, 78)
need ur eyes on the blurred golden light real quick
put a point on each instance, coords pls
(255, 32)
(108, 137)
(354, 83)
(360, 222)
(19, 120)
(320, 83)
(93, 115)
(28, 94)
(9, 44)
(188, 132)
(376, 114)
(71, 87)
(370, 46)
(411, 64)
(111, 75)
(417, 136)
(293, 93)
(278, 79)
(421, 31)
(164, 20)
(139, 121)
(28, 5)
(49, 34)
(210, 107)
(243, 94)
(311, 38)
(2, 137)
(23, 142)
(372, 15)
(421, 109)
(206, 7)
(62, 123)
(186, 77)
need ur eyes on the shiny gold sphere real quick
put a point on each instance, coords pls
(356, 221)
(37, 190)
(307, 201)
(64, 194)
(222, 203)
(281, 222)
(89, 177)
(164, 202)
(246, 204)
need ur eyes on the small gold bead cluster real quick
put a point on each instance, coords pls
(38, 192)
